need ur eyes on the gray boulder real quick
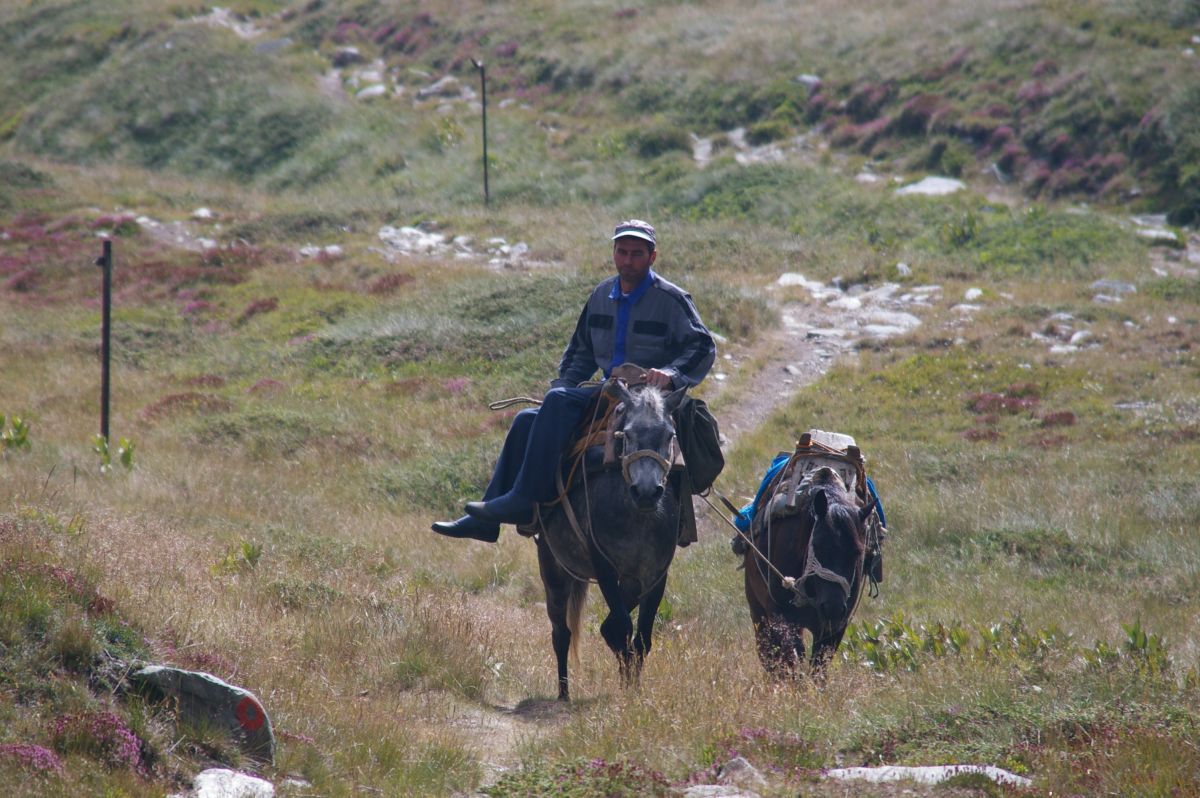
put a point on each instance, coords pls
(348, 56)
(204, 697)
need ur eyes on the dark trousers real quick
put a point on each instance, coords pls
(535, 443)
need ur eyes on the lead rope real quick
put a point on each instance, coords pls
(788, 582)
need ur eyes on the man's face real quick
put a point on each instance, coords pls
(632, 257)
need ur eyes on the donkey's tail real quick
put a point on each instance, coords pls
(576, 601)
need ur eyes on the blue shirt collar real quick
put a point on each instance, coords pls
(650, 279)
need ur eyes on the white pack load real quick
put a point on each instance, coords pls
(817, 449)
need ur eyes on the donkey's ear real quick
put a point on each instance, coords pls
(820, 504)
(865, 512)
(619, 391)
(674, 399)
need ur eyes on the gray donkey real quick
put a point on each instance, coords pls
(620, 531)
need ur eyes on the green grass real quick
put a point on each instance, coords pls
(298, 422)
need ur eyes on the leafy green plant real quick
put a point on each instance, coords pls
(15, 438)
(242, 557)
(895, 643)
(961, 231)
(124, 453)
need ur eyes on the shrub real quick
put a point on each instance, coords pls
(102, 736)
(657, 138)
(15, 175)
(32, 757)
(769, 130)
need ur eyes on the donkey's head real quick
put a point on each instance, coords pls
(646, 440)
(836, 547)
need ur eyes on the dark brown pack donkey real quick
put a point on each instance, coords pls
(815, 576)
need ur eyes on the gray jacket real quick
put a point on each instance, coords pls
(664, 332)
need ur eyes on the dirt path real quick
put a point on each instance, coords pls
(796, 354)
(759, 380)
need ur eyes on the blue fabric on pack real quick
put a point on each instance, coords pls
(746, 514)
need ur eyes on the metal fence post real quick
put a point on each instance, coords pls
(105, 262)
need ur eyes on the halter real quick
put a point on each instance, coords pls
(813, 567)
(632, 457)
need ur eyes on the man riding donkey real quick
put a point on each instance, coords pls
(633, 317)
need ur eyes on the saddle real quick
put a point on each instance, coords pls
(820, 457)
(594, 450)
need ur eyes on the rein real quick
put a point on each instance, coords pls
(812, 566)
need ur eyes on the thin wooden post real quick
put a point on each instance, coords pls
(483, 90)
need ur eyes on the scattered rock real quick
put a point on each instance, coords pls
(810, 82)
(412, 240)
(921, 295)
(347, 56)
(448, 87)
(743, 152)
(971, 294)
(900, 319)
(1114, 287)
(932, 187)
(846, 303)
(1159, 236)
(224, 18)
(415, 241)
(740, 773)
(371, 92)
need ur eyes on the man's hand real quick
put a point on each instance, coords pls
(659, 379)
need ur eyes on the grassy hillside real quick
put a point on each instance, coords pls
(1083, 100)
(303, 398)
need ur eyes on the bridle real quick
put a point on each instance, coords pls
(629, 458)
(584, 532)
(813, 567)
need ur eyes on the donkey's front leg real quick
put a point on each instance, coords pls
(647, 613)
(616, 629)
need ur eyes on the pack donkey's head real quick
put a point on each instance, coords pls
(836, 544)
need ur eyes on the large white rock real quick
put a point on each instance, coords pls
(371, 92)
(930, 774)
(222, 783)
(932, 187)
